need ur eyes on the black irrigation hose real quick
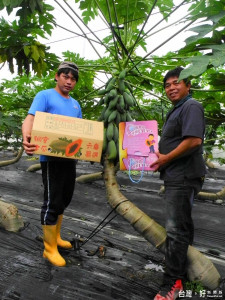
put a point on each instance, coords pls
(96, 230)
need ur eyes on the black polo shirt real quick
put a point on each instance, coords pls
(184, 120)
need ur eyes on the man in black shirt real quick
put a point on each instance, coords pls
(181, 166)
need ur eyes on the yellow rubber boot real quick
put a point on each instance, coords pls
(51, 250)
(61, 243)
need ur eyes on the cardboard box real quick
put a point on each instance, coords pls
(62, 136)
(138, 142)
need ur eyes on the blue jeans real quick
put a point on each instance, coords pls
(179, 198)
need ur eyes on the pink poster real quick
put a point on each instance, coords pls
(138, 142)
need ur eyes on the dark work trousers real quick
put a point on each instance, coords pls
(59, 181)
(179, 197)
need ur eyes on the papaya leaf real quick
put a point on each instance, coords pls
(35, 53)
(6, 2)
(201, 30)
(26, 50)
(198, 66)
(217, 80)
(216, 18)
(32, 5)
(218, 56)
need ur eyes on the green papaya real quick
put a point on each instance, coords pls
(118, 118)
(111, 84)
(122, 74)
(107, 83)
(105, 142)
(111, 150)
(121, 86)
(119, 109)
(100, 102)
(112, 94)
(112, 116)
(121, 101)
(107, 114)
(123, 117)
(110, 131)
(106, 99)
(102, 92)
(113, 102)
(128, 117)
(128, 99)
(116, 133)
(101, 117)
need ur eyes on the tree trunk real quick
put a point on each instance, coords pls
(12, 161)
(212, 196)
(89, 177)
(200, 268)
(209, 164)
(10, 220)
(34, 168)
(204, 195)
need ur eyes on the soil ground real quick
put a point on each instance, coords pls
(128, 268)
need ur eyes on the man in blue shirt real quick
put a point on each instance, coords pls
(58, 174)
(181, 166)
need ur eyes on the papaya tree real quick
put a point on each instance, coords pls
(131, 78)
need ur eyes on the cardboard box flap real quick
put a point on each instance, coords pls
(63, 125)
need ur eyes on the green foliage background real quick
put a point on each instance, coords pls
(203, 57)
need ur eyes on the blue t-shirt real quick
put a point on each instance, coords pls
(51, 101)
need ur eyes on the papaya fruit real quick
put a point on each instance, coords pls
(121, 102)
(107, 114)
(113, 102)
(110, 131)
(111, 84)
(123, 117)
(119, 109)
(73, 148)
(111, 150)
(128, 99)
(108, 81)
(104, 146)
(102, 92)
(121, 86)
(118, 118)
(115, 133)
(112, 116)
(128, 117)
(120, 105)
(106, 99)
(101, 101)
(122, 74)
(112, 94)
(101, 117)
